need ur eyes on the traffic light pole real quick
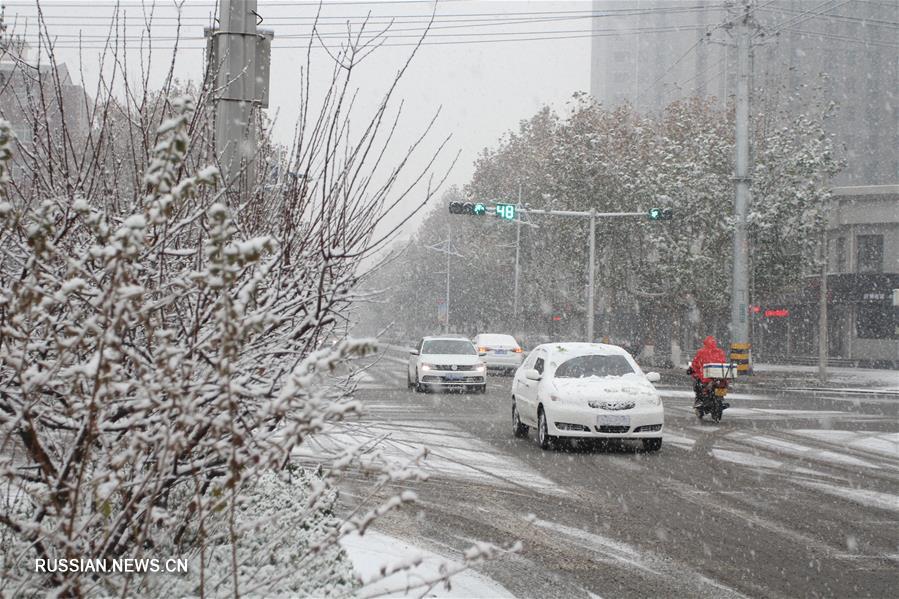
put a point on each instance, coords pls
(591, 276)
(517, 252)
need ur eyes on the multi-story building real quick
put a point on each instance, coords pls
(862, 288)
(649, 53)
(37, 98)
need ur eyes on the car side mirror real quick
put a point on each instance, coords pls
(653, 377)
(482, 353)
(413, 352)
(532, 374)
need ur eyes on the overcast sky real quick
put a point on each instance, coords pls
(483, 63)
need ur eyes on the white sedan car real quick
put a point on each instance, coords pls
(501, 352)
(446, 363)
(586, 390)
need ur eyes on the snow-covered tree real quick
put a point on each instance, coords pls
(616, 160)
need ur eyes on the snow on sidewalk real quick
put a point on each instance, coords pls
(373, 550)
(865, 378)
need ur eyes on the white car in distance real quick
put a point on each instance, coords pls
(501, 352)
(586, 391)
(446, 363)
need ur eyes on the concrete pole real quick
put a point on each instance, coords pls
(740, 288)
(235, 48)
(822, 314)
(449, 248)
(517, 251)
(591, 275)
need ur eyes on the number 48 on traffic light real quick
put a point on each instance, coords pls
(506, 211)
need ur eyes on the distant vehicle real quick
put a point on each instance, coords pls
(501, 352)
(446, 363)
(587, 391)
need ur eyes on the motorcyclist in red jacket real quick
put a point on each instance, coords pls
(709, 353)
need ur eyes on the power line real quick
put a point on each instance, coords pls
(416, 33)
(846, 18)
(667, 71)
(146, 44)
(843, 38)
(806, 15)
(421, 17)
(435, 24)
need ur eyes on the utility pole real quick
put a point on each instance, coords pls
(240, 56)
(822, 314)
(517, 250)
(446, 247)
(740, 343)
(449, 248)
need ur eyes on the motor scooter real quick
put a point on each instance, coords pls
(710, 396)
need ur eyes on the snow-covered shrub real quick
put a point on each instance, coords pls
(136, 392)
(161, 346)
(277, 529)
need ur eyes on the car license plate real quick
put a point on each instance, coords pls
(453, 377)
(500, 352)
(614, 420)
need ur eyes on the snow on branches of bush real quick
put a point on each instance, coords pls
(156, 372)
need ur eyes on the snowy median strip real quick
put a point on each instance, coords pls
(374, 551)
(628, 556)
(865, 497)
(467, 457)
(886, 444)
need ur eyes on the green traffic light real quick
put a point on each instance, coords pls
(660, 214)
(479, 209)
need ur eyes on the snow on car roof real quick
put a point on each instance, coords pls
(573, 348)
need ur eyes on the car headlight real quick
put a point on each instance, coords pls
(655, 400)
(480, 368)
(427, 367)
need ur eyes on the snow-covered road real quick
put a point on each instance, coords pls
(792, 494)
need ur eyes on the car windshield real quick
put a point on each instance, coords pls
(448, 346)
(595, 365)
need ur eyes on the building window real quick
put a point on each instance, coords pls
(875, 321)
(870, 253)
(839, 254)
